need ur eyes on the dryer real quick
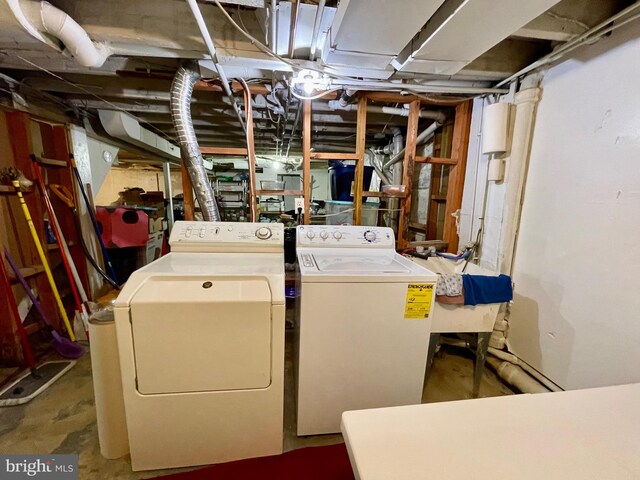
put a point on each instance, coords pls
(200, 337)
(363, 324)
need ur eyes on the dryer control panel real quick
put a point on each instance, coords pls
(344, 236)
(226, 237)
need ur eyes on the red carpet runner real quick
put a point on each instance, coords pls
(312, 463)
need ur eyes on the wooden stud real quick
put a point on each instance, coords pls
(241, 152)
(306, 159)
(436, 160)
(251, 155)
(432, 216)
(281, 193)
(390, 97)
(333, 156)
(361, 138)
(459, 150)
(407, 174)
(215, 86)
(384, 194)
(187, 192)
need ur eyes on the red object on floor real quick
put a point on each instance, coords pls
(123, 226)
(311, 463)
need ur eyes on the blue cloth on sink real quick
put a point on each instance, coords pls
(482, 289)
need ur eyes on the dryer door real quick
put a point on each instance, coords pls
(196, 334)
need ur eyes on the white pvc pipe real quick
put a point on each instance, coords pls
(526, 102)
(316, 29)
(591, 34)
(514, 375)
(508, 357)
(208, 41)
(273, 18)
(44, 17)
(423, 137)
(402, 112)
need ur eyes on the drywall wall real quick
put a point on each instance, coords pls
(149, 179)
(575, 313)
(475, 211)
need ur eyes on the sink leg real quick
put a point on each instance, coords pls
(434, 340)
(481, 355)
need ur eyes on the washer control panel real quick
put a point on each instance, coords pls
(225, 236)
(343, 236)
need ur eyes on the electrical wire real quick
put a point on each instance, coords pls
(89, 92)
(261, 46)
(314, 97)
(324, 215)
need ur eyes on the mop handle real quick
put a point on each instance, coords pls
(43, 259)
(16, 313)
(26, 287)
(105, 254)
(72, 273)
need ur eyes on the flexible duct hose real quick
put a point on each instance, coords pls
(181, 92)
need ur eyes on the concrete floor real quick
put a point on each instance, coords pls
(62, 419)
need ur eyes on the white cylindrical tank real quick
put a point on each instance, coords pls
(495, 128)
(107, 386)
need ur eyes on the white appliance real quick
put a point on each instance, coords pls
(363, 327)
(200, 336)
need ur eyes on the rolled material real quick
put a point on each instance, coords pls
(181, 93)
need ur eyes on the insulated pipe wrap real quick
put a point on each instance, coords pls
(181, 93)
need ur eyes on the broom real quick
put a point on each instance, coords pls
(37, 379)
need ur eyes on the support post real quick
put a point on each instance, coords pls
(407, 173)
(459, 149)
(168, 192)
(361, 137)
(187, 192)
(306, 159)
(251, 156)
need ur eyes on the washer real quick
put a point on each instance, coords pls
(200, 337)
(363, 324)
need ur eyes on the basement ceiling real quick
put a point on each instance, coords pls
(438, 46)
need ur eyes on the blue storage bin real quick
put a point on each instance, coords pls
(340, 179)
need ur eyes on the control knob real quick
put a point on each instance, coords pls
(263, 233)
(324, 235)
(311, 234)
(369, 236)
(337, 235)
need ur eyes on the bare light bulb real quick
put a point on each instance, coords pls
(308, 86)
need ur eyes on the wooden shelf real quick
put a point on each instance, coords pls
(384, 194)
(28, 272)
(33, 328)
(280, 193)
(438, 244)
(55, 246)
(52, 162)
(439, 198)
(436, 160)
(7, 189)
(333, 156)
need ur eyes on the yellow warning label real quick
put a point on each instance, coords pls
(419, 298)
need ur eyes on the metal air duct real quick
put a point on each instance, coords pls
(181, 93)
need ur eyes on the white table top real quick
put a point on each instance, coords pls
(581, 434)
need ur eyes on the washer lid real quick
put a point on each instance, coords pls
(346, 265)
(358, 264)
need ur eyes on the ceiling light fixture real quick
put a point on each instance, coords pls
(308, 81)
